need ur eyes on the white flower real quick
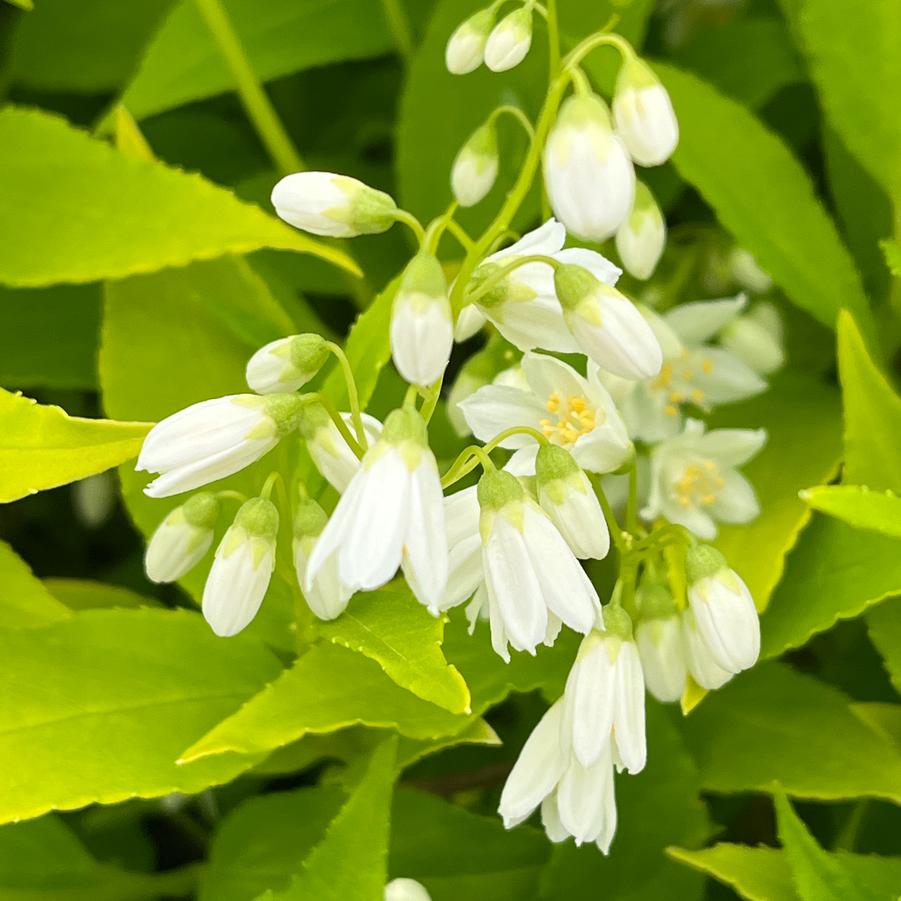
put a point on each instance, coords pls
(327, 447)
(703, 668)
(567, 497)
(406, 890)
(335, 206)
(572, 411)
(422, 332)
(643, 113)
(466, 47)
(747, 272)
(723, 610)
(660, 647)
(587, 171)
(464, 542)
(286, 364)
(392, 513)
(470, 320)
(181, 539)
(641, 238)
(603, 701)
(607, 326)
(475, 167)
(239, 577)
(532, 578)
(214, 439)
(756, 339)
(326, 594)
(510, 40)
(694, 481)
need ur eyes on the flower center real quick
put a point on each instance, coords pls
(676, 378)
(699, 484)
(571, 418)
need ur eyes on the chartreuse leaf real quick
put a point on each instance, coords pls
(109, 215)
(85, 594)
(350, 863)
(391, 627)
(879, 511)
(892, 251)
(119, 693)
(42, 446)
(24, 601)
(884, 625)
(818, 876)
(762, 194)
(769, 724)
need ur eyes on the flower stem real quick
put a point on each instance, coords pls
(341, 425)
(553, 39)
(616, 533)
(516, 113)
(353, 398)
(399, 26)
(497, 277)
(412, 223)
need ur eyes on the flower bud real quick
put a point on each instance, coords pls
(567, 497)
(286, 364)
(644, 115)
(326, 594)
(659, 639)
(641, 238)
(466, 47)
(333, 458)
(747, 272)
(422, 331)
(335, 206)
(587, 171)
(703, 668)
(475, 167)
(406, 890)
(756, 339)
(181, 539)
(510, 40)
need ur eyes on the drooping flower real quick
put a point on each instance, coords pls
(510, 40)
(643, 113)
(658, 636)
(465, 50)
(286, 364)
(641, 238)
(703, 668)
(181, 539)
(464, 542)
(475, 167)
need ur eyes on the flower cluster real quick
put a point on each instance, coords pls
(582, 386)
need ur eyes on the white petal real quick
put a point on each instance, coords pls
(546, 375)
(425, 559)
(537, 322)
(662, 657)
(628, 716)
(496, 408)
(421, 339)
(470, 320)
(722, 377)
(590, 700)
(597, 264)
(582, 798)
(732, 447)
(727, 621)
(326, 595)
(236, 585)
(545, 240)
(703, 668)
(701, 320)
(736, 501)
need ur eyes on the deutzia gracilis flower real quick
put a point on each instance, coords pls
(573, 412)
(694, 481)
(608, 327)
(703, 668)
(603, 703)
(422, 332)
(589, 176)
(333, 458)
(406, 890)
(658, 636)
(181, 539)
(392, 513)
(286, 364)
(510, 40)
(575, 800)
(466, 47)
(756, 339)
(533, 580)
(214, 439)
(567, 497)
(723, 609)
(464, 544)
(335, 206)
(326, 594)
(641, 238)
(475, 167)
(643, 113)
(241, 571)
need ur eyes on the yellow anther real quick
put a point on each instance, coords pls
(664, 378)
(670, 410)
(699, 484)
(676, 397)
(573, 417)
(553, 403)
(697, 395)
(577, 403)
(707, 365)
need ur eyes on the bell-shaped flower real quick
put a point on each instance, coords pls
(335, 206)
(587, 170)
(573, 412)
(533, 579)
(328, 449)
(641, 238)
(465, 50)
(607, 326)
(242, 568)
(694, 480)
(570, 502)
(643, 113)
(181, 539)
(286, 364)
(701, 665)
(464, 543)
(406, 890)
(422, 331)
(510, 40)
(326, 594)
(391, 514)
(658, 636)
(214, 439)
(604, 697)
(756, 339)
(475, 167)
(723, 609)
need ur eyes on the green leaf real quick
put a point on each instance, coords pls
(183, 63)
(24, 601)
(43, 447)
(86, 594)
(892, 251)
(118, 693)
(391, 627)
(884, 626)
(350, 863)
(147, 215)
(879, 511)
(763, 196)
(773, 724)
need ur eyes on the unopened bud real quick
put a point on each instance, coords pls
(510, 40)
(466, 47)
(286, 364)
(641, 238)
(643, 113)
(475, 167)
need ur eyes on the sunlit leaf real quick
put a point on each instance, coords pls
(879, 511)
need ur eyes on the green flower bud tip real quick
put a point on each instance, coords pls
(311, 418)
(482, 144)
(405, 424)
(553, 463)
(497, 489)
(655, 601)
(702, 561)
(308, 352)
(423, 275)
(644, 201)
(617, 623)
(574, 284)
(201, 510)
(368, 211)
(636, 74)
(309, 519)
(258, 518)
(580, 110)
(285, 411)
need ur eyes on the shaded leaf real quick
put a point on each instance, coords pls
(24, 601)
(884, 626)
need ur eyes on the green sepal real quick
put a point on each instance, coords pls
(258, 518)
(497, 489)
(702, 561)
(201, 510)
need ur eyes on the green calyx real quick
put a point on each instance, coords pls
(644, 204)
(258, 518)
(581, 110)
(480, 23)
(368, 211)
(403, 425)
(482, 144)
(309, 519)
(553, 463)
(655, 601)
(574, 284)
(201, 510)
(497, 489)
(285, 411)
(308, 353)
(636, 74)
(702, 561)
(617, 623)
(423, 275)
(312, 418)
